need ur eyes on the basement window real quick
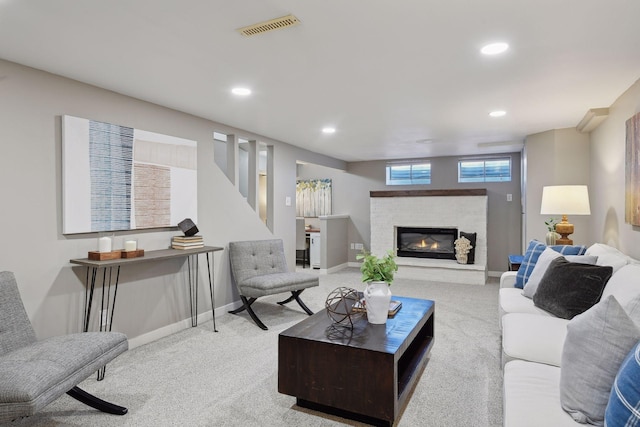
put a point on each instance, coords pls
(485, 170)
(409, 173)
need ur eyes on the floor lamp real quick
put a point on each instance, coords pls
(565, 200)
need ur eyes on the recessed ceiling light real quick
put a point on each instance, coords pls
(494, 48)
(242, 91)
(328, 130)
(498, 113)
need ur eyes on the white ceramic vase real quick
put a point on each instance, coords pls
(551, 237)
(377, 296)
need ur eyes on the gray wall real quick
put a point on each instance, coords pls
(335, 244)
(565, 156)
(555, 157)
(351, 197)
(607, 177)
(152, 296)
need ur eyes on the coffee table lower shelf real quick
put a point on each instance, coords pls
(368, 375)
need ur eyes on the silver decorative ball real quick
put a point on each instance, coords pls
(339, 305)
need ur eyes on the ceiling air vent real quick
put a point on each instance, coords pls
(274, 24)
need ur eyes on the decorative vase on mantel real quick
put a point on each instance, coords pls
(462, 258)
(463, 246)
(377, 297)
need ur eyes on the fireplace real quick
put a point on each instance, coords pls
(426, 242)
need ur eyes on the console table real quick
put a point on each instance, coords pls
(110, 271)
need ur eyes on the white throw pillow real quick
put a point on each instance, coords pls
(624, 284)
(608, 255)
(542, 264)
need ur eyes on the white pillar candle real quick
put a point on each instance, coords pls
(104, 244)
(130, 245)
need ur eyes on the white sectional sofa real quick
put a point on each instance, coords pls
(533, 343)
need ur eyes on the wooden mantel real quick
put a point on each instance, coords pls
(427, 193)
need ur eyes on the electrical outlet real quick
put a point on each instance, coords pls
(509, 197)
(287, 201)
(359, 246)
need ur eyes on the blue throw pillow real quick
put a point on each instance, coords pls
(532, 254)
(623, 408)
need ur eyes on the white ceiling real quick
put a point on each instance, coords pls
(385, 73)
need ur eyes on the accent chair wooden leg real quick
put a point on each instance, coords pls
(245, 303)
(287, 301)
(295, 295)
(95, 402)
(247, 306)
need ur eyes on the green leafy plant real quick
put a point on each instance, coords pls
(551, 224)
(376, 269)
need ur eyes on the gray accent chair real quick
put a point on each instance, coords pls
(259, 268)
(34, 373)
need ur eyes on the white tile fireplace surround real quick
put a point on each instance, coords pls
(465, 210)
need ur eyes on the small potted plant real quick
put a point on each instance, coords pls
(377, 273)
(376, 269)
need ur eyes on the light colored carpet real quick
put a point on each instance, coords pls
(200, 378)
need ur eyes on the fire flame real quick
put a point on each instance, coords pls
(422, 244)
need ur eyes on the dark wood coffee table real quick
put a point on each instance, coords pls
(367, 374)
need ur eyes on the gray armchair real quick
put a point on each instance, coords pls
(34, 373)
(259, 268)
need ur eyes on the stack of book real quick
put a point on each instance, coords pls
(187, 242)
(360, 307)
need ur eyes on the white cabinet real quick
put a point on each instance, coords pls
(314, 250)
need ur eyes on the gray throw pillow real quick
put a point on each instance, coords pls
(597, 342)
(568, 288)
(548, 255)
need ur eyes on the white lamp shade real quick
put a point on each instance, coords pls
(565, 200)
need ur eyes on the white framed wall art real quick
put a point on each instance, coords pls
(120, 178)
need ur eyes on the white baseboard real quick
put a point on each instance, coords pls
(179, 326)
(333, 269)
